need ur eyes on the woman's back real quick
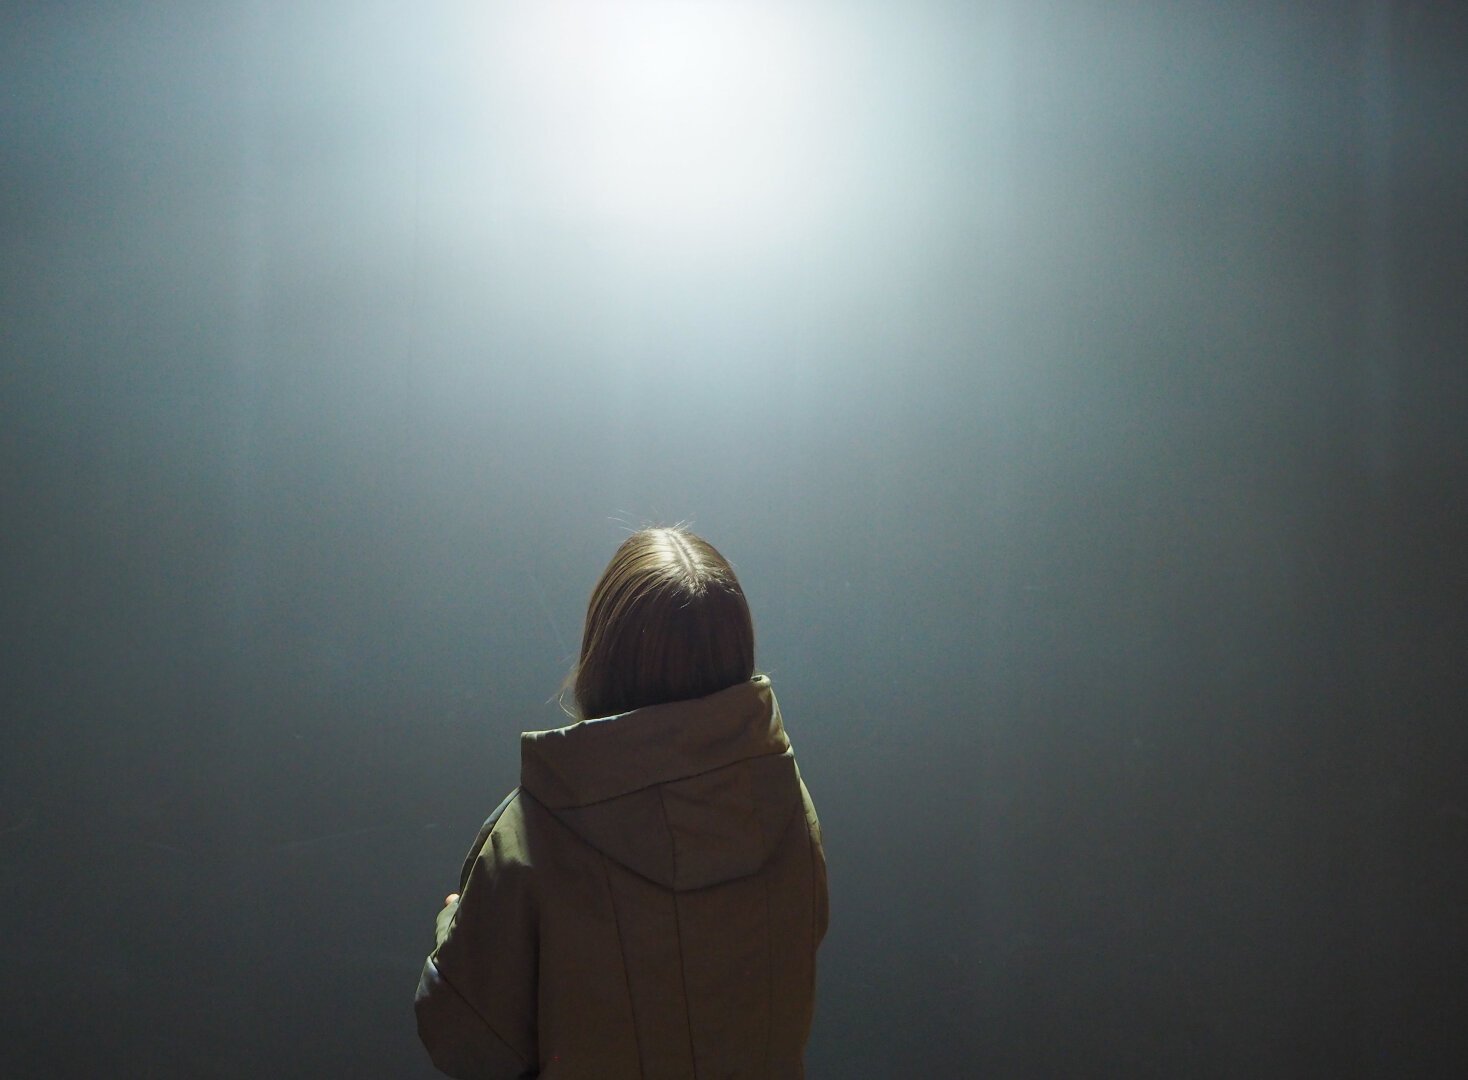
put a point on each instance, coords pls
(648, 904)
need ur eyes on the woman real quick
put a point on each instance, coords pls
(648, 902)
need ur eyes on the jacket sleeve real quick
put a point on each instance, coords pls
(822, 913)
(476, 996)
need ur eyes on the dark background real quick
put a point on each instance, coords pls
(1077, 388)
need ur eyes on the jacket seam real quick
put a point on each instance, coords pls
(678, 931)
(626, 974)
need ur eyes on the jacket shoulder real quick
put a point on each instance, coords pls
(506, 820)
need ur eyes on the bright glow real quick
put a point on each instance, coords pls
(689, 121)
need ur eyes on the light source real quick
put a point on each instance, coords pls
(683, 121)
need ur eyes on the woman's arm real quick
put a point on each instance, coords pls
(476, 996)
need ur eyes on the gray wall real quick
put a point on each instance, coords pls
(1078, 390)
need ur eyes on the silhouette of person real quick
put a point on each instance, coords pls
(649, 901)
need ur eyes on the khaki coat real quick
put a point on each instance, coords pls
(646, 904)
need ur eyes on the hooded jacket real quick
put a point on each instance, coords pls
(646, 904)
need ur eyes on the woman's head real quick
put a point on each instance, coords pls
(667, 621)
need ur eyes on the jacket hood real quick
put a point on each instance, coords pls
(688, 794)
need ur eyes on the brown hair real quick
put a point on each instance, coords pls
(667, 621)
